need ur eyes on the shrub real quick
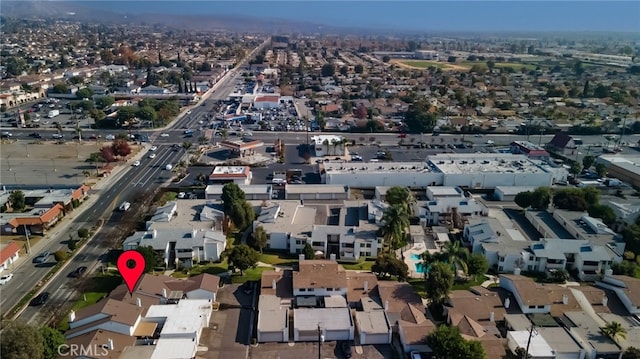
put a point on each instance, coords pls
(83, 233)
(628, 255)
(60, 256)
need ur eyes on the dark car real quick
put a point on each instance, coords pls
(40, 299)
(41, 258)
(345, 346)
(78, 272)
(35, 135)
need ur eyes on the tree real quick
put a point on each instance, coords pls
(104, 102)
(396, 221)
(83, 232)
(456, 255)
(231, 192)
(149, 255)
(97, 115)
(71, 243)
(52, 339)
(588, 161)
(477, 264)
(614, 330)
(84, 93)
(387, 264)
(446, 342)
(603, 212)
(121, 148)
(360, 69)
(491, 65)
(308, 251)
(601, 170)
(524, 199)
(521, 353)
(575, 169)
(260, 238)
(241, 214)
(147, 113)
(631, 353)
(21, 341)
(95, 158)
(540, 198)
(418, 118)
(328, 70)
(243, 257)
(60, 256)
(401, 196)
(17, 200)
(438, 282)
(186, 145)
(126, 114)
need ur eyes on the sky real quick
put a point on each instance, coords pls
(421, 15)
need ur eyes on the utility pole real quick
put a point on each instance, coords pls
(320, 341)
(531, 331)
(26, 233)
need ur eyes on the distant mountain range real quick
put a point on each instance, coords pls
(76, 11)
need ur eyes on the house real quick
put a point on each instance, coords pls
(36, 221)
(626, 288)
(181, 327)
(152, 290)
(9, 254)
(586, 332)
(372, 323)
(558, 338)
(273, 319)
(153, 90)
(563, 144)
(101, 344)
(406, 315)
(309, 324)
(164, 213)
(107, 314)
(530, 297)
(319, 278)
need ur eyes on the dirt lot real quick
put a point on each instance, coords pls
(28, 163)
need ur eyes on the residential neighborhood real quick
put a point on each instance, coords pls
(301, 189)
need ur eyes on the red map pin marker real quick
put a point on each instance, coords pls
(131, 266)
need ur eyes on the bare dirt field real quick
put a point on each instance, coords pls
(28, 163)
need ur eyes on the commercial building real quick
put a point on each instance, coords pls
(626, 168)
(235, 174)
(328, 145)
(316, 192)
(473, 171)
(509, 193)
(9, 253)
(532, 151)
(426, 55)
(252, 192)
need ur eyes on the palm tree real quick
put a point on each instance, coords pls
(401, 196)
(456, 255)
(202, 140)
(396, 222)
(58, 127)
(614, 330)
(95, 158)
(187, 145)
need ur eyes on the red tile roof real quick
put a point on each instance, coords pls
(9, 251)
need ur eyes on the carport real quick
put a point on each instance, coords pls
(273, 320)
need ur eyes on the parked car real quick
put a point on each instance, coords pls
(40, 299)
(136, 163)
(35, 135)
(153, 148)
(6, 134)
(109, 137)
(42, 257)
(164, 135)
(5, 278)
(78, 272)
(152, 156)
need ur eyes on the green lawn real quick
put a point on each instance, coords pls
(419, 286)
(251, 274)
(469, 284)
(424, 64)
(366, 265)
(91, 298)
(210, 268)
(281, 259)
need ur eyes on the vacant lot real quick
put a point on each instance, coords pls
(459, 66)
(28, 163)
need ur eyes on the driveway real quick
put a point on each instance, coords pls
(229, 330)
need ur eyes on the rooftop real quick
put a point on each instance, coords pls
(230, 171)
(307, 319)
(185, 317)
(589, 331)
(482, 163)
(319, 274)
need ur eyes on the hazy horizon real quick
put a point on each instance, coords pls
(598, 16)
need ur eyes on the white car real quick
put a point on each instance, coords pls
(164, 135)
(168, 167)
(182, 195)
(109, 137)
(5, 278)
(153, 148)
(136, 164)
(152, 156)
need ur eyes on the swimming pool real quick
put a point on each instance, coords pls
(416, 257)
(420, 267)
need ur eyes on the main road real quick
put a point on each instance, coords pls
(133, 185)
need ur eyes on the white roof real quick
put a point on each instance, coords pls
(539, 348)
(183, 318)
(318, 139)
(307, 319)
(172, 348)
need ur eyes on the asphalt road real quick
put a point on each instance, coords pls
(132, 186)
